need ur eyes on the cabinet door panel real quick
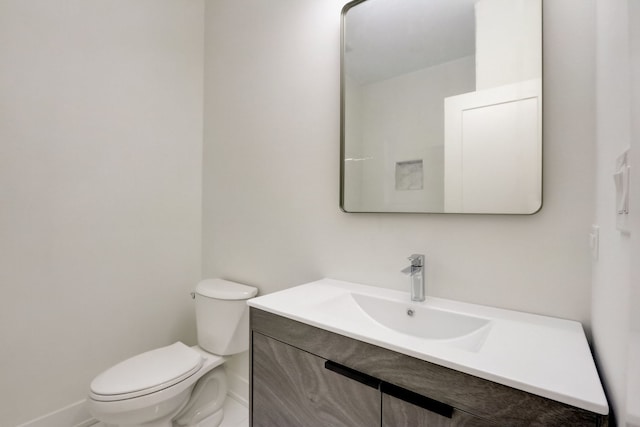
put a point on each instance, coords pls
(400, 413)
(463, 419)
(292, 388)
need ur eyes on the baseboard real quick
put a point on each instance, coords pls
(77, 415)
(74, 415)
(238, 388)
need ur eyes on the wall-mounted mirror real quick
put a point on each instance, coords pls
(442, 106)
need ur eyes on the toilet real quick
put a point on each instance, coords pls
(178, 385)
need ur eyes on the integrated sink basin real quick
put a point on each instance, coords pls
(538, 354)
(419, 320)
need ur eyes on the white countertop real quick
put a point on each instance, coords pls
(545, 356)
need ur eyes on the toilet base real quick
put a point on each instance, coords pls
(213, 420)
(206, 400)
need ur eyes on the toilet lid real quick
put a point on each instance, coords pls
(225, 290)
(147, 372)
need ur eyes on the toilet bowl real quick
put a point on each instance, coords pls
(179, 385)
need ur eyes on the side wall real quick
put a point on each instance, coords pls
(271, 171)
(633, 367)
(100, 183)
(615, 293)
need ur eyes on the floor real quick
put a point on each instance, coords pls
(235, 415)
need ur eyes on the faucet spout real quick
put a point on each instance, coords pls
(416, 274)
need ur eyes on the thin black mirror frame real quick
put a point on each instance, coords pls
(343, 15)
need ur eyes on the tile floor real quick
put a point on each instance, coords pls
(235, 415)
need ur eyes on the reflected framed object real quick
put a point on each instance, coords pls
(441, 106)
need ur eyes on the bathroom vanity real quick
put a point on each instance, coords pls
(331, 353)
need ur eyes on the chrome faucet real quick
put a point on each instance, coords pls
(416, 274)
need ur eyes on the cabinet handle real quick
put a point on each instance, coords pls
(417, 399)
(362, 378)
(392, 390)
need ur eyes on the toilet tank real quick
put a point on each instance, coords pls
(222, 316)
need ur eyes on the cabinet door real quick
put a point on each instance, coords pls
(291, 387)
(403, 408)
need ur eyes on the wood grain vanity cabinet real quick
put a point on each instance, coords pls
(293, 388)
(306, 376)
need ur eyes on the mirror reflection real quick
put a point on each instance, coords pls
(442, 106)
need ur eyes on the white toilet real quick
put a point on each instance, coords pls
(179, 385)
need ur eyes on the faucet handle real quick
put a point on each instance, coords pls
(417, 260)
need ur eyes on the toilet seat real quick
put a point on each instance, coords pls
(146, 373)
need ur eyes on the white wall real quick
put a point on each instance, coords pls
(612, 285)
(354, 159)
(633, 356)
(100, 184)
(416, 132)
(271, 215)
(508, 48)
(634, 49)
